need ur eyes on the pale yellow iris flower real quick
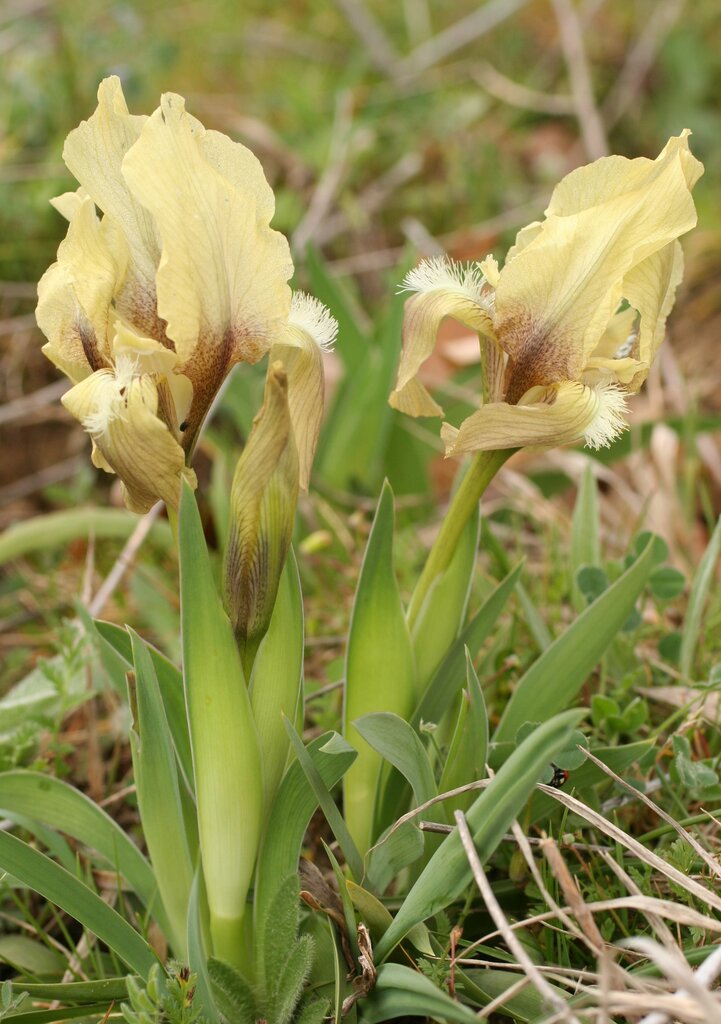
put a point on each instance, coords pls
(151, 304)
(571, 324)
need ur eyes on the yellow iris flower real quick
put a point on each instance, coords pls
(150, 305)
(573, 321)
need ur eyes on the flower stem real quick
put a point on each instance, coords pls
(481, 471)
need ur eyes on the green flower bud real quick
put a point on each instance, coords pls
(263, 499)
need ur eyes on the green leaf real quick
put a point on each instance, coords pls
(450, 674)
(556, 677)
(312, 1012)
(198, 943)
(75, 993)
(69, 1013)
(666, 583)
(402, 992)
(588, 775)
(170, 681)
(291, 814)
(591, 581)
(487, 985)
(378, 918)
(57, 529)
(396, 741)
(276, 685)
(56, 804)
(30, 957)
(444, 609)
(697, 599)
(585, 531)
(448, 873)
(276, 939)
(226, 758)
(326, 803)
(159, 796)
(468, 749)
(36, 871)
(233, 995)
(380, 671)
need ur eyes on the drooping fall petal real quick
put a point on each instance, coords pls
(557, 414)
(442, 290)
(222, 281)
(309, 332)
(121, 417)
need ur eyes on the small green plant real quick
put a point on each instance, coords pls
(163, 999)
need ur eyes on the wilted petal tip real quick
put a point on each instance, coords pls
(610, 419)
(315, 319)
(440, 272)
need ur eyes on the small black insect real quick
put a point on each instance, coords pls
(560, 777)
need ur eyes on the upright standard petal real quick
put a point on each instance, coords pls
(222, 280)
(75, 295)
(556, 297)
(94, 153)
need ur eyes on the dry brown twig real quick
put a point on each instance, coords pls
(124, 560)
(589, 120)
(458, 35)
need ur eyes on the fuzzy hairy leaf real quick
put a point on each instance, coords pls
(232, 994)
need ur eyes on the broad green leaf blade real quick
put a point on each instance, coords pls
(170, 681)
(226, 758)
(81, 1013)
(450, 674)
(326, 803)
(447, 873)
(395, 850)
(292, 811)
(57, 529)
(468, 750)
(444, 609)
(38, 872)
(697, 599)
(484, 986)
(403, 992)
(159, 796)
(378, 918)
(76, 993)
(276, 685)
(553, 681)
(380, 670)
(232, 993)
(31, 957)
(398, 742)
(585, 532)
(56, 804)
